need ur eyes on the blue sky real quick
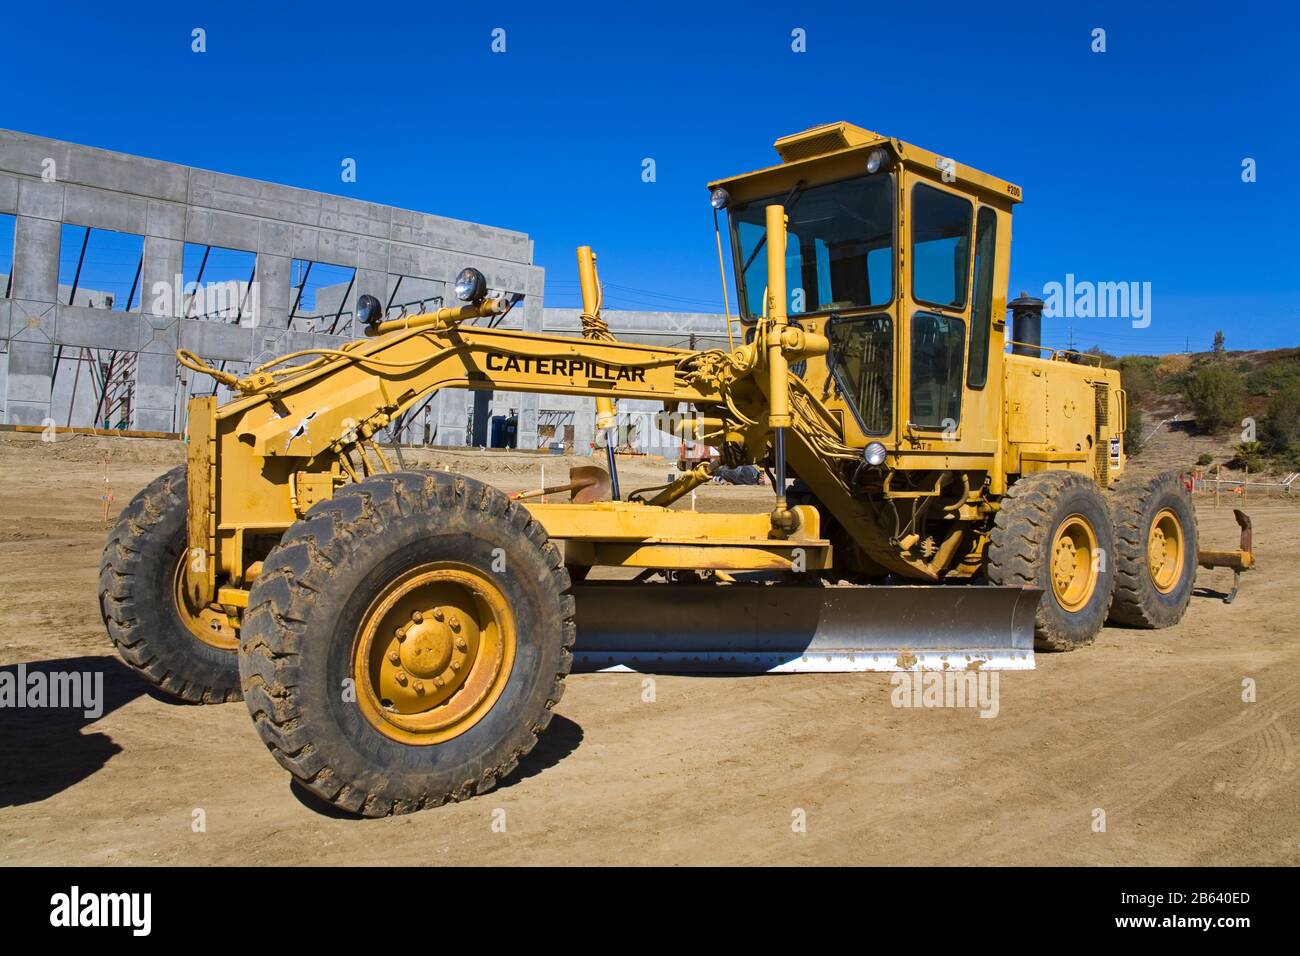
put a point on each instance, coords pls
(1130, 160)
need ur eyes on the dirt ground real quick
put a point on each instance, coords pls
(1149, 727)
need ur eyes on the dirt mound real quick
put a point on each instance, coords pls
(29, 449)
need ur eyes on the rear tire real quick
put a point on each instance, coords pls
(141, 609)
(331, 683)
(1155, 551)
(1047, 534)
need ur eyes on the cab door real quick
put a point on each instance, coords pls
(946, 409)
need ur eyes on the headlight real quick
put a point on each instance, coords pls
(369, 311)
(877, 160)
(719, 198)
(470, 285)
(874, 454)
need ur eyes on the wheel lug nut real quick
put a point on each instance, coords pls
(400, 677)
(438, 682)
(455, 665)
(437, 614)
(454, 623)
(401, 633)
(460, 644)
(417, 616)
(419, 687)
(394, 657)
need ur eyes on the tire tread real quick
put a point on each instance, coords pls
(302, 563)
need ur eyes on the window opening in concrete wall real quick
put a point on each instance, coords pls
(219, 284)
(320, 295)
(100, 268)
(92, 388)
(555, 426)
(416, 425)
(6, 255)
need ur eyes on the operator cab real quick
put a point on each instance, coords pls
(900, 258)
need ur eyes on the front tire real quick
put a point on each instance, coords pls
(1155, 551)
(407, 642)
(1053, 531)
(189, 653)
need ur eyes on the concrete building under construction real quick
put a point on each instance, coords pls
(109, 263)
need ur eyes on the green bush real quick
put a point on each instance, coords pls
(1214, 393)
(1133, 433)
(1137, 374)
(1279, 432)
(1248, 456)
(1276, 375)
(1205, 459)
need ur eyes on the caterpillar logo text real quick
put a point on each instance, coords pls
(569, 367)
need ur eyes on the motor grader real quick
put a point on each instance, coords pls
(401, 637)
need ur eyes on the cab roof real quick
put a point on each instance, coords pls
(833, 150)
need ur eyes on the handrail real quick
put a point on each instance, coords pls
(1058, 355)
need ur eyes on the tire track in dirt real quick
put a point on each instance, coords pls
(1273, 764)
(1152, 777)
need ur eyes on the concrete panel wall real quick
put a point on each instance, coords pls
(46, 183)
(171, 205)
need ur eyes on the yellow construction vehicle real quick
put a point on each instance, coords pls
(401, 637)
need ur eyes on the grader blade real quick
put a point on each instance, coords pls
(684, 628)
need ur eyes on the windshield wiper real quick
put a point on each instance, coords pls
(795, 193)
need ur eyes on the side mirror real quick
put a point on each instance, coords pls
(369, 312)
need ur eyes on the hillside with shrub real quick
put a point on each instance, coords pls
(1236, 410)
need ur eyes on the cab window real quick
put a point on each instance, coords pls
(940, 247)
(839, 246)
(862, 361)
(938, 347)
(977, 372)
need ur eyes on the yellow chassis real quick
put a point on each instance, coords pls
(298, 432)
(258, 463)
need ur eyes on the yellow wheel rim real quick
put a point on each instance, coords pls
(1165, 551)
(1074, 563)
(433, 653)
(210, 624)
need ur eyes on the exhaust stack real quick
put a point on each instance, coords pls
(1026, 325)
